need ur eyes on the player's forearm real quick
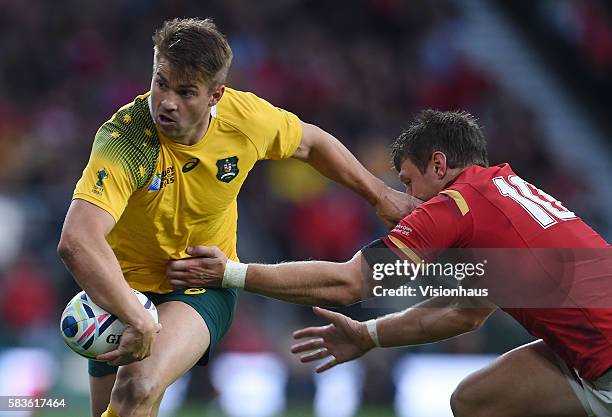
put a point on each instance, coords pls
(427, 322)
(311, 283)
(332, 159)
(95, 267)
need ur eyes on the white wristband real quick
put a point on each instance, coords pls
(234, 275)
(373, 332)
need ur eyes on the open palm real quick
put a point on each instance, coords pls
(343, 340)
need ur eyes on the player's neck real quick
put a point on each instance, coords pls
(452, 174)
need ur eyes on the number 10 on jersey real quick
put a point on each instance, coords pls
(542, 207)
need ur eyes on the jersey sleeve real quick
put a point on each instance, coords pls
(434, 226)
(284, 136)
(123, 158)
(107, 180)
(276, 133)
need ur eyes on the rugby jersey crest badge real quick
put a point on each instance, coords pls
(227, 168)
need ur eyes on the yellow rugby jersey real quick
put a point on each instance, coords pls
(167, 196)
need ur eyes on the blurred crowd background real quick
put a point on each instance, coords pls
(357, 69)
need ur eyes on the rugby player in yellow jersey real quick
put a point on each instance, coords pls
(163, 176)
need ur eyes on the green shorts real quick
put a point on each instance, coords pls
(215, 305)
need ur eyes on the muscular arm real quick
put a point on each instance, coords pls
(346, 339)
(312, 282)
(331, 158)
(90, 259)
(328, 283)
(432, 320)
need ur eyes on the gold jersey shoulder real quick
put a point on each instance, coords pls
(123, 158)
(266, 126)
(166, 196)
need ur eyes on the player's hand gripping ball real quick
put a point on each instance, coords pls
(89, 330)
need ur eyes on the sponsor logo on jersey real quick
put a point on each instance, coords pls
(162, 179)
(99, 186)
(227, 168)
(402, 230)
(191, 164)
(194, 291)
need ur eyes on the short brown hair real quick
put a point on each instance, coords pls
(456, 133)
(195, 48)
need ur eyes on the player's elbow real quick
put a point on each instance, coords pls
(69, 246)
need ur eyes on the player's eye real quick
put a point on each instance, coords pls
(161, 83)
(187, 93)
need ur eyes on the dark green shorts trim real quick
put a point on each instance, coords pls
(215, 305)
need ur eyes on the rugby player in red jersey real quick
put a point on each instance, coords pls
(442, 159)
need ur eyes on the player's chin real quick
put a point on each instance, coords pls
(172, 132)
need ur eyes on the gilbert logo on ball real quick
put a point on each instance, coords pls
(89, 330)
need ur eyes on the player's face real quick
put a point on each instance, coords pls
(181, 108)
(421, 185)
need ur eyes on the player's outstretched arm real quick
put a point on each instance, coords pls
(310, 282)
(90, 259)
(331, 158)
(430, 321)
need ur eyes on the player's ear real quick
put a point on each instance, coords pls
(216, 95)
(440, 167)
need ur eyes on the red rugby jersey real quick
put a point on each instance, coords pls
(494, 208)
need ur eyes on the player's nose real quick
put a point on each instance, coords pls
(168, 104)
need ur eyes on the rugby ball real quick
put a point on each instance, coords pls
(89, 330)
